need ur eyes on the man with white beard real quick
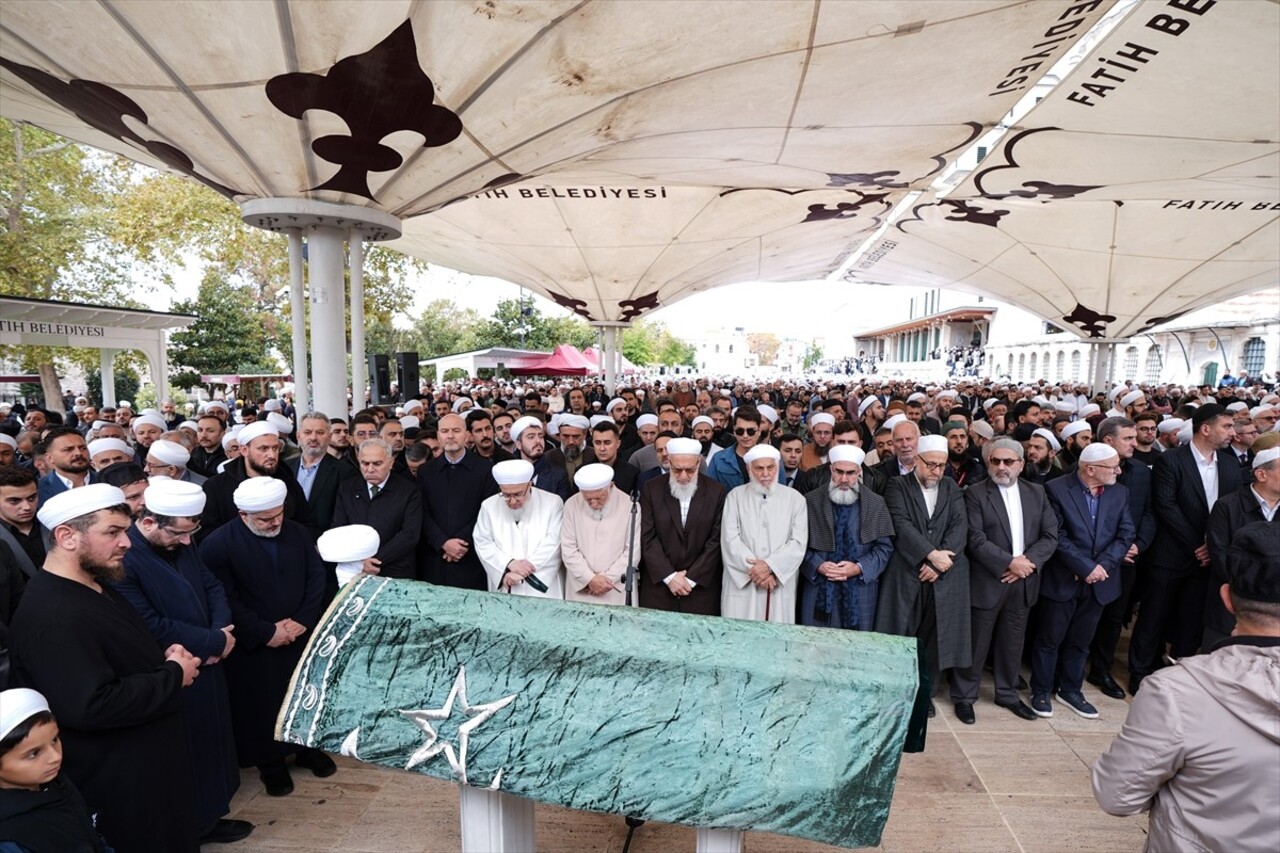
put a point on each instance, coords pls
(850, 543)
(764, 533)
(680, 513)
(517, 536)
(595, 533)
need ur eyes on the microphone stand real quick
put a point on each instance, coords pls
(631, 546)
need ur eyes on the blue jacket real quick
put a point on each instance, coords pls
(725, 470)
(1082, 544)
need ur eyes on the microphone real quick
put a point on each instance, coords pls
(536, 582)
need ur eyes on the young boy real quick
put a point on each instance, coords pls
(40, 809)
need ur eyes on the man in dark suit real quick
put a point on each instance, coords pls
(1186, 483)
(318, 473)
(1231, 514)
(389, 504)
(1122, 434)
(1095, 531)
(1013, 531)
(906, 439)
(68, 456)
(453, 485)
(680, 535)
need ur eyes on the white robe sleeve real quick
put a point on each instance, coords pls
(491, 555)
(785, 559)
(733, 550)
(544, 540)
(575, 562)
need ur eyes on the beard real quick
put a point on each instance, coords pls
(261, 472)
(572, 452)
(842, 497)
(760, 489)
(111, 573)
(683, 492)
(597, 514)
(516, 514)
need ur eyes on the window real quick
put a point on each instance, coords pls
(1060, 371)
(1075, 366)
(1009, 369)
(1022, 367)
(1155, 365)
(1254, 357)
(1131, 364)
(717, 348)
(1033, 365)
(730, 349)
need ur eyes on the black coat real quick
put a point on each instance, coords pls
(396, 513)
(220, 505)
(1181, 509)
(668, 546)
(451, 498)
(1230, 515)
(324, 491)
(990, 546)
(266, 580)
(119, 709)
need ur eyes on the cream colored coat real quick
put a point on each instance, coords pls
(589, 547)
(773, 529)
(499, 540)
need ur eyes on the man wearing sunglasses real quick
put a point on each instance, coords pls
(729, 469)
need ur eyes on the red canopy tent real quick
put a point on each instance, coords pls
(566, 360)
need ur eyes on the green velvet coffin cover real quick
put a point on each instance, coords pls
(686, 719)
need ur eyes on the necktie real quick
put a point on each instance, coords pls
(373, 491)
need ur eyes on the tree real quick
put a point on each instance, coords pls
(511, 317)
(812, 354)
(764, 345)
(230, 335)
(442, 329)
(645, 342)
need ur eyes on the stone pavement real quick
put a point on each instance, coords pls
(1003, 784)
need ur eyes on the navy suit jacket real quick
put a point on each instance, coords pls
(1082, 544)
(50, 485)
(1182, 511)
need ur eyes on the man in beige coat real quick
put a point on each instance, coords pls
(593, 538)
(1201, 745)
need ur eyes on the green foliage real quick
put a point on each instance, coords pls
(127, 385)
(443, 329)
(230, 335)
(455, 374)
(511, 317)
(812, 355)
(646, 342)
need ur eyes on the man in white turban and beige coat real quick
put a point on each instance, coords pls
(595, 532)
(517, 535)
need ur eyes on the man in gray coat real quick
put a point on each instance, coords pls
(924, 592)
(1200, 748)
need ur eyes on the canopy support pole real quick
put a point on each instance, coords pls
(609, 361)
(107, 364)
(328, 227)
(298, 310)
(356, 262)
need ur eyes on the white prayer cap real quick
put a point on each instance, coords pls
(846, 453)
(822, 418)
(684, 447)
(760, 451)
(866, 404)
(191, 425)
(1040, 400)
(1264, 409)
(1269, 455)
(231, 436)
(283, 425)
(408, 407)
(1065, 408)
(272, 405)
(98, 445)
(170, 453)
(575, 422)
(13, 442)
(523, 424)
(1117, 391)
(258, 494)
(553, 424)
(942, 395)
(702, 419)
(399, 411)
(616, 401)
(1238, 406)
(77, 408)
(1090, 410)
(74, 503)
(174, 498)
(100, 424)
(124, 404)
(153, 420)
(1075, 427)
(513, 472)
(894, 421)
(593, 476)
(257, 429)
(647, 420)
(917, 397)
(768, 412)
(1050, 439)
(983, 429)
(1131, 398)
(17, 706)
(350, 543)
(215, 404)
(457, 404)
(989, 402)
(601, 419)
(1097, 452)
(931, 444)
(151, 411)
(1170, 425)
(410, 422)
(726, 392)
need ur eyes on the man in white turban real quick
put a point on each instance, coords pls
(259, 456)
(517, 535)
(182, 602)
(596, 530)
(117, 694)
(763, 535)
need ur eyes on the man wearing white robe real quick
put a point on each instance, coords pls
(763, 536)
(594, 536)
(517, 536)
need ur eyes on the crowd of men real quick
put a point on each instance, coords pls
(185, 560)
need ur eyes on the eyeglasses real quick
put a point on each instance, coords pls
(745, 431)
(180, 533)
(999, 462)
(933, 466)
(517, 496)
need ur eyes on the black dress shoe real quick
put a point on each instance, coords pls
(226, 831)
(933, 709)
(964, 713)
(1021, 709)
(317, 762)
(277, 781)
(1104, 682)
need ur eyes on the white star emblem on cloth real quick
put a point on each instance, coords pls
(434, 745)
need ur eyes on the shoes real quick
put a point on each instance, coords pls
(226, 831)
(933, 709)
(964, 713)
(1105, 683)
(1040, 705)
(317, 762)
(277, 781)
(1021, 709)
(1077, 703)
